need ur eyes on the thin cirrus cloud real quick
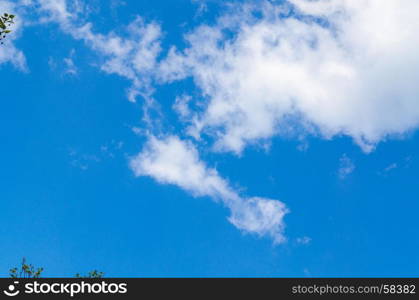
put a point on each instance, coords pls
(171, 160)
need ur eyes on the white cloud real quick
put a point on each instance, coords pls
(132, 55)
(181, 106)
(70, 67)
(390, 167)
(404, 163)
(173, 161)
(266, 76)
(82, 161)
(8, 51)
(329, 68)
(305, 240)
(346, 166)
(274, 74)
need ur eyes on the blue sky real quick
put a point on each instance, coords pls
(228, 157)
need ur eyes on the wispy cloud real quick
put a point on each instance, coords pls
(70, 67)
(181, 106)
(390, 167)
(346, 166)
(84, 160)
(173, 161)
(8, 51)
(401, 163)
(305, 240)
(133, 55)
